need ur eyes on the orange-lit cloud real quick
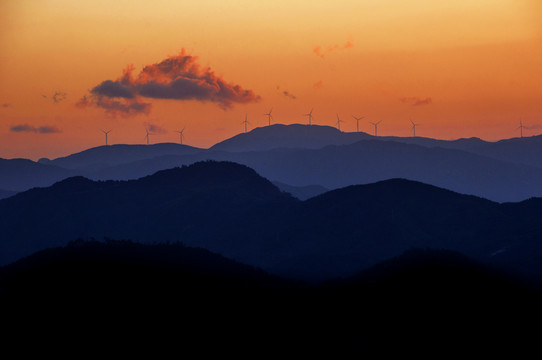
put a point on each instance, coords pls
(416, 101)
(322, 52)
(319, 84)
(33, 129)
(177, 77)
(114, 107)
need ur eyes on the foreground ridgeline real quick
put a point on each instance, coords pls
(219, 305)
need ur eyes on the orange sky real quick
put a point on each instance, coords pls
(459, 69)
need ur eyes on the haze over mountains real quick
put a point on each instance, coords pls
(297, 156)
(230, 210)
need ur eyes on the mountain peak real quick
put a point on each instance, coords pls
(288, 136)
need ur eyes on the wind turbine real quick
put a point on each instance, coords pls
(245, 122)
(181, 135)
(269, 117)
(414, 127)
(147, 136)
(521, 128)
(376, 126)
(106, 133)
(357, 121)
(310, 116)
(339, 121)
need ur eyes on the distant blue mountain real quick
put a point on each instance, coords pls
(288, 136)
(22, 174)
(104, 156)
(527, 151)
(365, 162)
(301, 192)
(301, 155)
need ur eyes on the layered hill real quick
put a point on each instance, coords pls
(229, 209)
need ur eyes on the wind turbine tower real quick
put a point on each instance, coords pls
(269, 117)
(357, 121)
(106, 133)
(339, 121)
(414, 127)
(147, 136)
(245, 122)
(310, 116)
(181, 135)
(521, 128)
(376, 126)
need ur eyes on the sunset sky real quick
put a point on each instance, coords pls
(69, 68)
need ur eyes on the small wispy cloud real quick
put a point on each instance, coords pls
(533, 127)
(289, 95)
(156, 129)
(33, 129)
(323, 51)
(318, 85)
(57, 97)
(416, 101)
(6, 105)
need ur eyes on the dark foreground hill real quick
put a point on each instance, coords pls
(92, 269)
(206, 304)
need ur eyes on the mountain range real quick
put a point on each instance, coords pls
(230, 210)
(298, 157)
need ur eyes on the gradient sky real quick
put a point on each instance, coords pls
(458, 68)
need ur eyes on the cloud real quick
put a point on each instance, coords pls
(113, 89)
(534, 127)
(416, 101)
(33, 129)
(114, 108)
(288, 94)
(57, 97)
(322, 52)
(123, 108)
(177, 77)
(319, 84)
(156, 129)
(6, 105)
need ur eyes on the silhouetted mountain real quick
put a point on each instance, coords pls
(442, 272)
(301, 192)
(6, 193)
(203, 204)
(104, 156)
(429, 294)
(371, 160)
(23, 174)
(527, 151)
(288, 136)
(300, 155)
(229, 209)
(123, 268)
(366, 162)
